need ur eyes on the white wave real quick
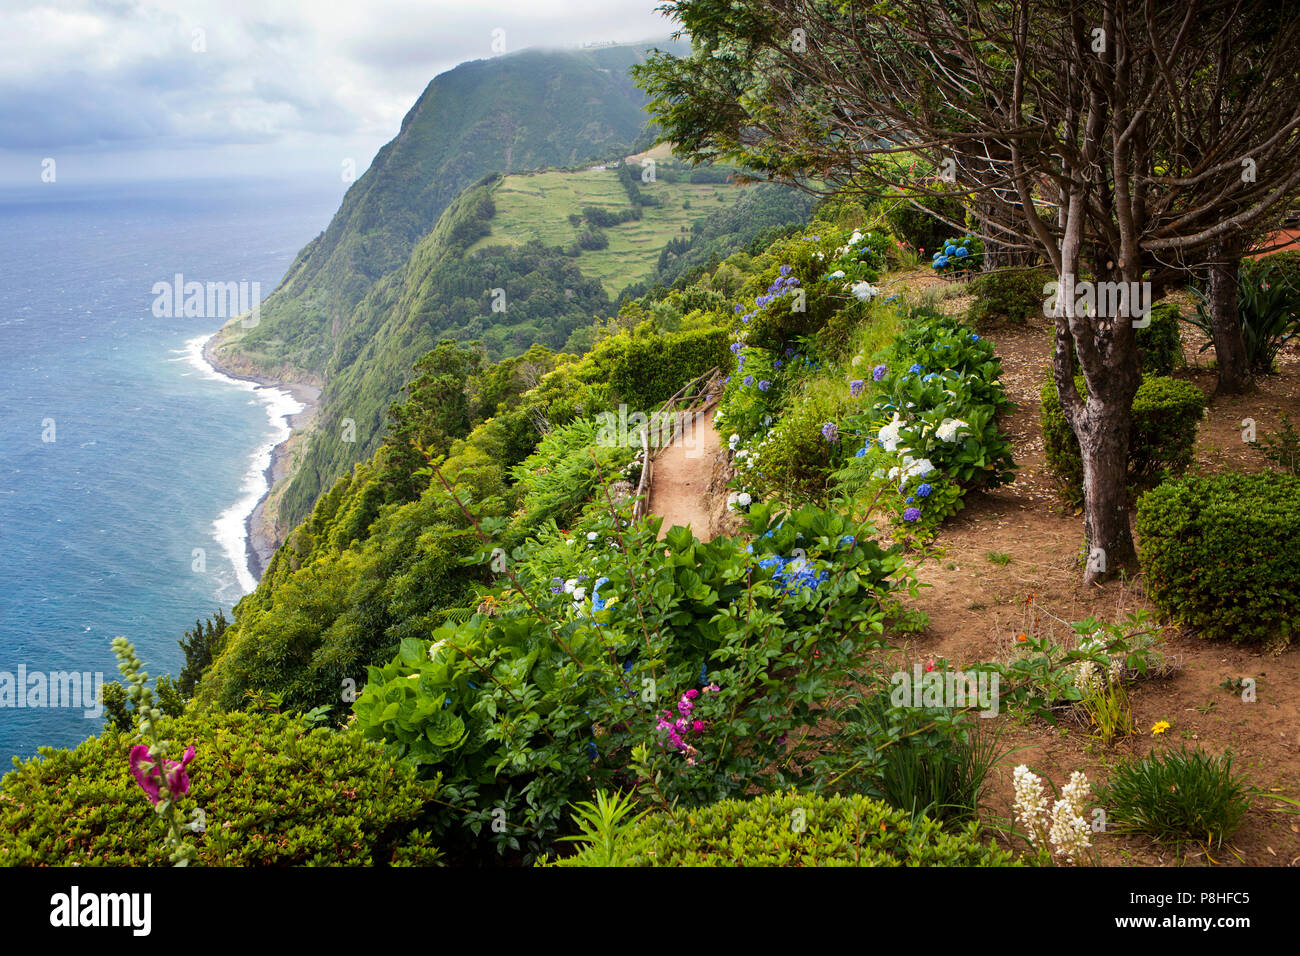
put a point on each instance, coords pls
(231, 527)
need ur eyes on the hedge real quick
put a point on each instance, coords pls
(1160, 344)
(1220, 554)
(798, 829)
(273, 792)
(1166, 412)
(646, 370)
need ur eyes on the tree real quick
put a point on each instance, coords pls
(200, 645)
(1099, 128)
(435, 413)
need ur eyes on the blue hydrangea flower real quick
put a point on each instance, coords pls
(749, 380)
(962, 252)
(912, 514)
(924, 491)
(764, 385)
(856, 386)
(916, 368)
(831, 432)
(738, 309)
(860, 452)
(974, 337)
(879, 372)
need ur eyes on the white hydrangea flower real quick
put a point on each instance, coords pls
(864, 291)
(569, 585)
(855, 238)
(592, 536)
(837, 274)
(434, 648)
(950, 428)
(889, 434)
(579, 594)
(744, 499)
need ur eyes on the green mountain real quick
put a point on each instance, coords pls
(521, 111)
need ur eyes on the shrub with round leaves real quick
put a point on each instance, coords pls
(1220, 555)
(273, 793)
(797, 829)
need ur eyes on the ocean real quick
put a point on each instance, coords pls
(127, 465)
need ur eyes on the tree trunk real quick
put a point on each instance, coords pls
(1104, 445)
(1225, 320)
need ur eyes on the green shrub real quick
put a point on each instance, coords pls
(1008, 295)
(644, 370)
(1162, 437)
(1176, 797)
(273, 793)
(794, 462)
(787, 300)
(1160, 344)
(796, 829)
(1220, 554)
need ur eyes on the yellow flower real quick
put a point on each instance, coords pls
(1160, 727)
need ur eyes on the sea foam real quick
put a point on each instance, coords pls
(231, 526)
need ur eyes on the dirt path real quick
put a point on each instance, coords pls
(679, 488)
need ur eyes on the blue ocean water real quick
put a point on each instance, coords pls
(99, 527)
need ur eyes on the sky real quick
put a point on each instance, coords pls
(107, 90)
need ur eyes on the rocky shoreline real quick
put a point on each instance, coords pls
(262, 537)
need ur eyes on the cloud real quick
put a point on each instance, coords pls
(105, 76)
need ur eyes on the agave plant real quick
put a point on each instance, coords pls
(1269, 307)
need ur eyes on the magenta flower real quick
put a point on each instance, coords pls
(145, 771)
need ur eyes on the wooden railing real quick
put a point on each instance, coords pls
(707, 391)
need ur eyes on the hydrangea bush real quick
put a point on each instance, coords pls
(933, 432)
(959, 257)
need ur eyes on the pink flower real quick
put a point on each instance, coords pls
(692, 694)
(929, 665)
(145, 771)
(698, 726)
(713, 687)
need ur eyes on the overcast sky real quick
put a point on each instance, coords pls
(114, 89)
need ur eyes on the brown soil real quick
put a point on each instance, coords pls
(680, 491)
